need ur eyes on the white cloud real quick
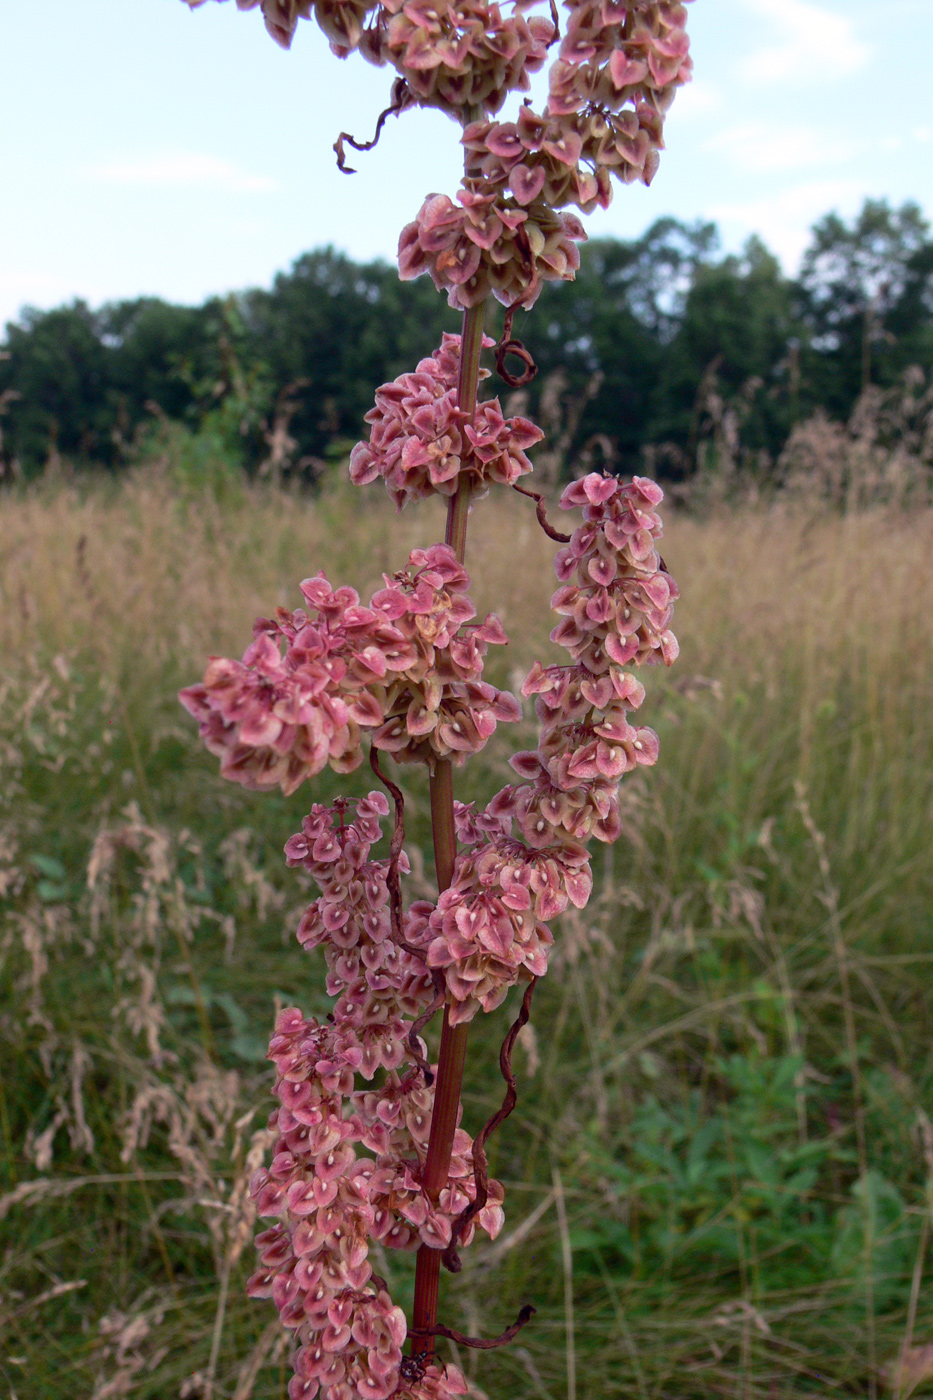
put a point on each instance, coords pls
(811, 44)
(182, 169)
(784, 219)
(767, 146)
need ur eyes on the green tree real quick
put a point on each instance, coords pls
(614, 324)
(57, 367)
(864, 286)
(733, 349)
(148, 340)
(80, 382)
(341, 328)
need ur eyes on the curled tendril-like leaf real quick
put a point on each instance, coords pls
(516, 348)
(480, 1162)
(414, 1044)
(507, 345)
(482, 1343)
(541, 513)
(402, 97)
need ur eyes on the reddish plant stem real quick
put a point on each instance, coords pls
(442, 823)
(453, 1038)
(488, 1344)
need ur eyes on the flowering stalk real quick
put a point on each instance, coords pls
(369, 1144)
(452, 1055)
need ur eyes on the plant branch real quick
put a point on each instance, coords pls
(480, 1161)
(395, 846)
(526, 1313)
(398, 933)
(453, 1038)
(401, 99)
(541, 512)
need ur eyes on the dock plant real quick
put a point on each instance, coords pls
(370, 1148)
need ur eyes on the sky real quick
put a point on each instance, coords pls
(153, 150)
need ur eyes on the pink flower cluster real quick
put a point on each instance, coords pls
(620, 606)
(620, 63)
(330, 1203)
(619, 67)
(330, 1197)
(439, 708)
(377, 982)
(489, 929)
(616, 612)
(612, 55)
(407, 669)
(405, 1216)
(273, 719)
(464, 54)
(421, 442)
(490, 245)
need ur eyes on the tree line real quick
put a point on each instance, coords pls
(656, 336)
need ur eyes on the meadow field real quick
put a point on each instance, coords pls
(720, 1175)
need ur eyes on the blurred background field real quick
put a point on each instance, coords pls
(720, 1175)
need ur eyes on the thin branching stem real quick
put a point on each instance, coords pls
(525, 1315)
(480, 1163)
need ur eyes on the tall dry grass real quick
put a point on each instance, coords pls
(719, 1175)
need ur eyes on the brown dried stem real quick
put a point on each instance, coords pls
(401, 98)
(541, 512)
(486, 1344)
(480, 1160)
(505, 346)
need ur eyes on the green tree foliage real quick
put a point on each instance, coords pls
(866, 298)
(616, 322)
(148, 340)
(661, 341)
(83, 381)
(57, 368)
(734, 344)
(334, 329)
